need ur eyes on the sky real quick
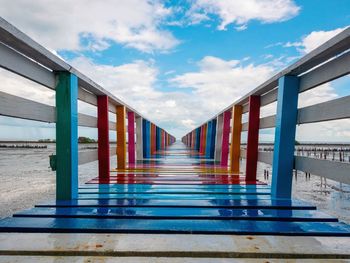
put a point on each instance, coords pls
(177, 62)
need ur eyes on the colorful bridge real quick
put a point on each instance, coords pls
(163, 186)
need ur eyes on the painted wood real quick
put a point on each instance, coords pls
(253, 137)
(208, 139)
(236, 138)
(198, 138)
(204, 142)
(131, 138)
(212, 138)
(218, 138)
(139, 139)
(225, 141)
(286, 120)
(66, 136)
(121, 137)
(162, 140)
(103, 137)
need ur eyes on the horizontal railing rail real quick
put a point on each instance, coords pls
(324, 64)
(136, 136)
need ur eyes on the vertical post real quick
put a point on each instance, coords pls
(236, 138)
(253, 138)
(212, 138)
(121, 137)
(158, 136)
(163, 140)
(139, 139)
(66, 136)
(218, 138)
(286, 120)
(131, 137)
(146, 133)
(225, 137)
(103, 138)
(204, 142)
(208, 139)
(153, 138)
(198, 138)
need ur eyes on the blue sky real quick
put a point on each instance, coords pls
(178, 62)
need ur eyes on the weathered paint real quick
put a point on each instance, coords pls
(225, 138)
(103, 137)
(236, 138)
(286, 120)
(66, 136)
(253, 137)
(121, 136)
(131, 137)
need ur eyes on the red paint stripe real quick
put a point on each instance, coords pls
(131, 137)
(103, 137)
(253, 137)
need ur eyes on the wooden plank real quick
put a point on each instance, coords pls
(18, 64)
(335, 69)
(267, 122)
(253, 138)
(329, 71)
(336, 171)
(331, 110)
(17, 107)
(66, 136)
(28, 48)
(121, 137)
(236, 138)
(87, 120)
(103, 138)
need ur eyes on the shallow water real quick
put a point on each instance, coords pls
(26, 180)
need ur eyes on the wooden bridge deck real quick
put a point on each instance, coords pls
(176, 191)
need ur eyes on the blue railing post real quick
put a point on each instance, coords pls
(286, 120)
(208, 139)
(212, 138)
(66, 136)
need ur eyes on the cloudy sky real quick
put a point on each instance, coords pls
(177, 62)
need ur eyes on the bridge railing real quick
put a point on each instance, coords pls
(220, 136)
(23, 56)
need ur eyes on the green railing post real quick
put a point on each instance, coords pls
(66, 136)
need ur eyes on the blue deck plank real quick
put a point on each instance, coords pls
(237, 227)
(179, 213)
(258, 204)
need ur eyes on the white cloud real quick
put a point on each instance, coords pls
(313, 40)
(77, 25)
(240, 12)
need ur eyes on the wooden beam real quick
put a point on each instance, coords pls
(131, 137)
(286, 120)
(236, 138)
(225, 138)
(253, 138)
(103, 138)
(66, 136)
(121, 137)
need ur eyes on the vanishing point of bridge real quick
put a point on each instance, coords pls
(163, 186)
